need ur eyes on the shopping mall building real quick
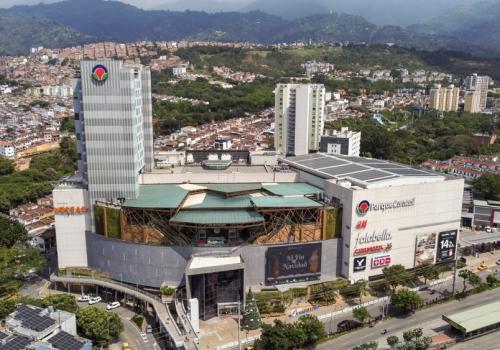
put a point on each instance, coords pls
(217, 228)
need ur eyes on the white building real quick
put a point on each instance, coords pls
(114, 128)
(299, 117)
(392, 214)
(473, 101)
(444, 99)
(344, 142)
(480, 84)
(7, 150)
(179, 71)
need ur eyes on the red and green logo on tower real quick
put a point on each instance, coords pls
(100, 73)
(362, 208)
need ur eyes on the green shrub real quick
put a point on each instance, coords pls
(138, 320)
(168, 291)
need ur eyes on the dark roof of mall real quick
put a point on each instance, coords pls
(214, 217)
(220, 196)
(360, 169)
(224, 204)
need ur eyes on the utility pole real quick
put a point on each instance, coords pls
(238, 324)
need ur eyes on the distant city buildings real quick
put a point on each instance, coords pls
(344, 142)
(313, 67)
(480, 84)
(444, 99)
(299, 117)
(469, 168)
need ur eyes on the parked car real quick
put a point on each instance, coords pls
(149, 329)
(488, 229)
(125, 346)
(347, 325)
(113, 305)
(95, 300)
(498, 262)
(482, 267)
(83, 298)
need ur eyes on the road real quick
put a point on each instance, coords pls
(130, 334)
(398, 325)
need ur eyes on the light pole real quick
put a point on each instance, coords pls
(238, 323)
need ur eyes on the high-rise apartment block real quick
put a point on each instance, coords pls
(113, 117)
(344, 142)
(473, 101)
(481, 85)
(299, 118)
(444, 99)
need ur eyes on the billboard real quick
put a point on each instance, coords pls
(447, 243)
(293, 262)
(425, 249)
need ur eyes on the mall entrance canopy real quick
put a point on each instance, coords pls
(214, 280)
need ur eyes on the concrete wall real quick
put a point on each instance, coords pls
(152, 265)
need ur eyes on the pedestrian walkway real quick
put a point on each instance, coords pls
(189, 341)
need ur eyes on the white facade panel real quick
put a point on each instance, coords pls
(392, 232)
(71, 222)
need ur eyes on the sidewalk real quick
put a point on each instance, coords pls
(222, 336)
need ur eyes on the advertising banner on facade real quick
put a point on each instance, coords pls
(425, 249)
(447, 243)
(293, 262)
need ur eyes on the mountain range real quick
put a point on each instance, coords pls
(76, 21)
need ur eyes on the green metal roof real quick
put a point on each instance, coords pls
(284, 202)
(214, 217)
(168, 196)
(476, 318)
(291, 189)
(233, 187)
(214, 201)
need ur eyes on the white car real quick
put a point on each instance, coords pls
(83, 298)
(113, 305)
(94, 300)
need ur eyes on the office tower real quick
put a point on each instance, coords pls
(344, 142)
(113, 118)
(299, 117)
(444, 99)
(480, 84)
(473, 101)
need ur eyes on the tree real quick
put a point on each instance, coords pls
(65, 302)
(98, 325)
(251, 316)
(474, 279)
(392, 341)
(414, 340)
(6, 307)
(491, 279)
(12, 232)
(406, 301)
(428, 272)
(361, 314)
(360, 288)
(6, 166)
(373, 345)
(280, 336)
(14, 264)
(396, 275)
(464, 274)
(489, 184)
(313, 329)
